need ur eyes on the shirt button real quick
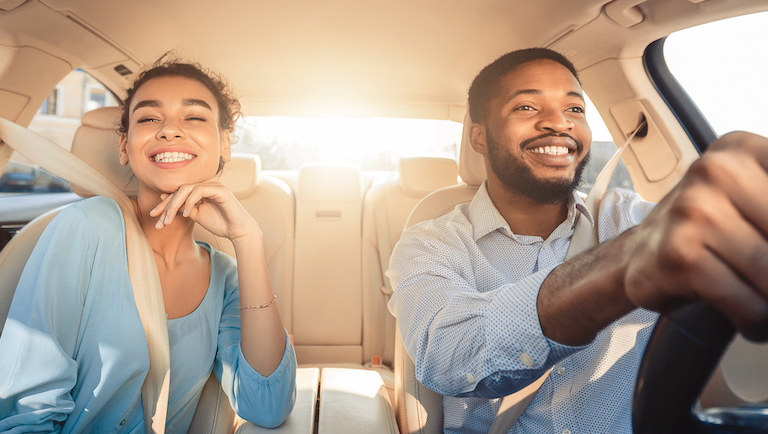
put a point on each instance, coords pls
(566, 431)
(122, 422)
(544, 246)
(526, 359)
(561, 371)
(470, 378)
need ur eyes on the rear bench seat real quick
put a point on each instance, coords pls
(341, 323)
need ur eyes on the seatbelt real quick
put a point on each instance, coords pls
(585, 236)
(142, 268)
(385, 251)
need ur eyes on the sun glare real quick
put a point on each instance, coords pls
(373, 143)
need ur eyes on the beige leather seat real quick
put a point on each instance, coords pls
(419, 409)
(329, 255)
(328, 301)
(270, 202)
(386, 207)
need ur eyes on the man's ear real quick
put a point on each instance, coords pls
(226, 146)
(477, 137)
(123, 150)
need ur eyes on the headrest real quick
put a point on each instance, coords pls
(420, 176)
(241, 173)
(97, 143)
(471, 163)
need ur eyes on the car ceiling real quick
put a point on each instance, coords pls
(400, 58)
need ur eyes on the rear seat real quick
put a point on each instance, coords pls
(387, 205)
(340, 314)
(341, 322)
(327, 305)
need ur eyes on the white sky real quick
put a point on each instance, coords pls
(724, 68)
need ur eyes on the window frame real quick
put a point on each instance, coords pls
(688, 115)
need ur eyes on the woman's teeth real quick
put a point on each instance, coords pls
(171, 157)
(551, 150)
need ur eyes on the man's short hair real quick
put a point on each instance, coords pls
(485, 86)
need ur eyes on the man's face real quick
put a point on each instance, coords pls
(536, 133)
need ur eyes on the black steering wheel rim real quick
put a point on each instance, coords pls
(682, 353)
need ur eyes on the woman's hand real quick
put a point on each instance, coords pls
(210, 204)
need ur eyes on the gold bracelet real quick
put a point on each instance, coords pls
(260, 307)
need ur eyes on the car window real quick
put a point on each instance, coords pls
(722, 68)
(57, 120)
(603, 148)
(285, 143)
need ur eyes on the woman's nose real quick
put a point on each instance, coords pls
(170, 130)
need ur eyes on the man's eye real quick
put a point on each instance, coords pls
(525, 108)
(576, 109)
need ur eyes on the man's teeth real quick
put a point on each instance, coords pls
(551, 150)
(172, 157)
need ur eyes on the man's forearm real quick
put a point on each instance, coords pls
(585, 294)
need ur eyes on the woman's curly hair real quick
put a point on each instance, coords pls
(228, 104)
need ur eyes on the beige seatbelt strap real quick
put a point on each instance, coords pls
(584, 237)
(385, 251)
(142, 268)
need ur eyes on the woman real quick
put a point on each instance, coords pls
(73, 354)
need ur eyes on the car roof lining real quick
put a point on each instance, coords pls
(407, 59)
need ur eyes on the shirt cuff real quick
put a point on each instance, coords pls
(287, 364)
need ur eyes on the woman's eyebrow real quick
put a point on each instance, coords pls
(197, 102)
(146, 103)
(156, 103)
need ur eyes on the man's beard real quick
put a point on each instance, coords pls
(518, 177)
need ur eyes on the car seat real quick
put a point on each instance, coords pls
(419, 409)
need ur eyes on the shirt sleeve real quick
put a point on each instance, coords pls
(620, 210)
(38, 343)
(465, 342)
(264, 401)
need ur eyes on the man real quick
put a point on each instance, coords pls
(485, 303)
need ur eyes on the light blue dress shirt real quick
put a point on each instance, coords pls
(465, 302)
(73, 354)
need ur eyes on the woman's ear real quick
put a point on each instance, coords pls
(477, 138)
(226, 146)
(123, 150)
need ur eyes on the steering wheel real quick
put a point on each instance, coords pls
(684, 349)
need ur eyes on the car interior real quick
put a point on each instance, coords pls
(329, 227)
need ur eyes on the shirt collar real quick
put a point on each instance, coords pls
(485, 218)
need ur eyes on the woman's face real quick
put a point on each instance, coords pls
(173, 136)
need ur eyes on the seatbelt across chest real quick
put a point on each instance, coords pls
(585, 236)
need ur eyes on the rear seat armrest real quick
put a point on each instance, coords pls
(354, 401)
